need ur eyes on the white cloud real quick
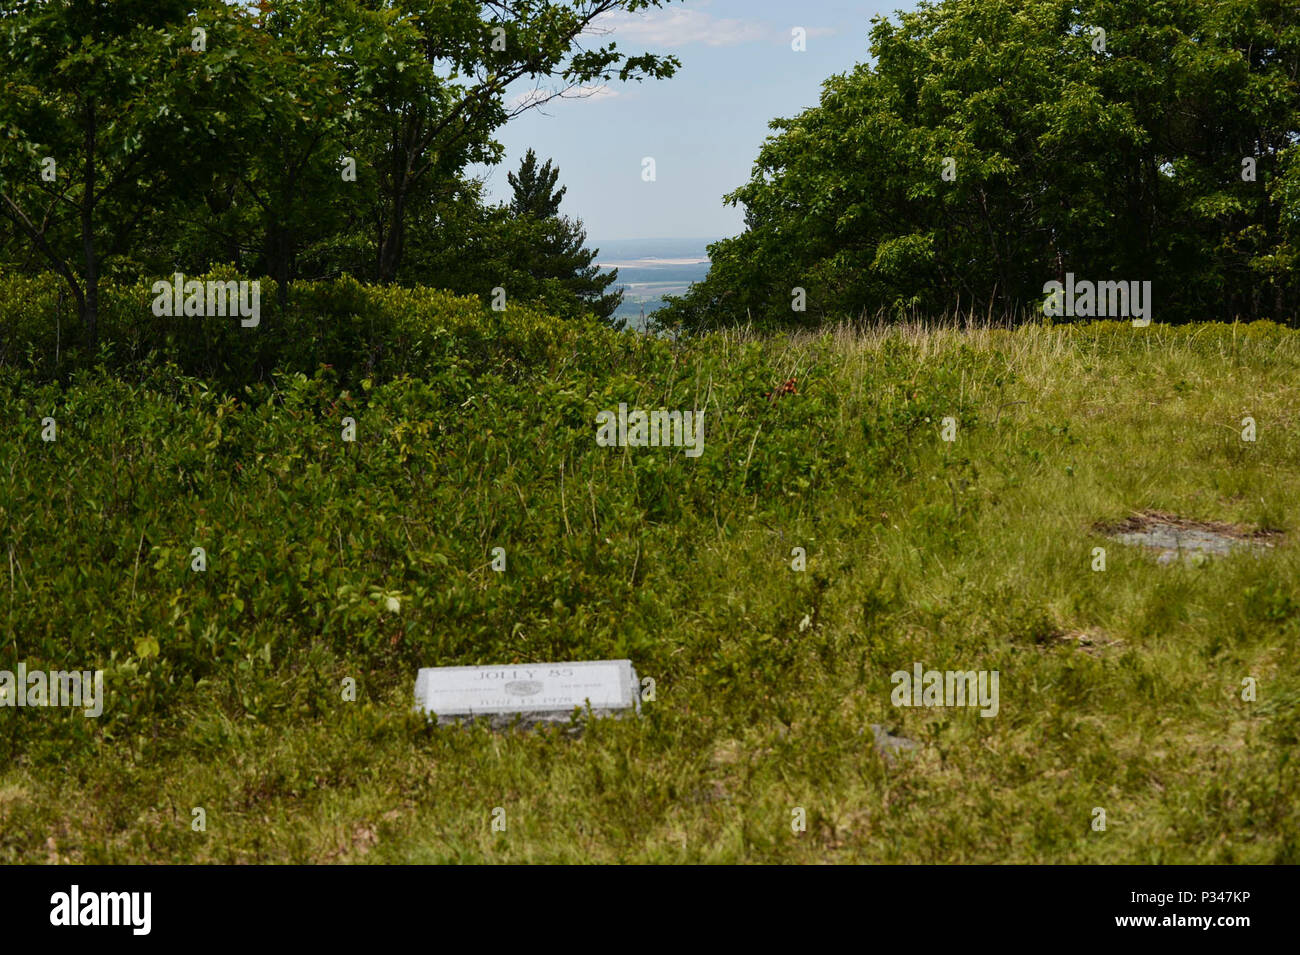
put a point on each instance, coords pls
(673, 28)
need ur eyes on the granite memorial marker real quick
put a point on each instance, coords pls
(533, 693)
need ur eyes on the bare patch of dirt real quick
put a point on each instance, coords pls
(1173, 535)
(1092, 641)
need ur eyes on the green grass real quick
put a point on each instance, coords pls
(225, 687)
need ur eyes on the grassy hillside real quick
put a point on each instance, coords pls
(329, 560)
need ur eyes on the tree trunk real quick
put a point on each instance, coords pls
(278, 245)
(390, 250)
(89, 303)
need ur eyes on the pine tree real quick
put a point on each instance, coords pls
(534, 189)
(554, 252)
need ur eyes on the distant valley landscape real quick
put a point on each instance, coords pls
(649, 269)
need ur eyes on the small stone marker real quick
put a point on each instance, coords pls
(887, 744)
(1193, 541)
(534, 693)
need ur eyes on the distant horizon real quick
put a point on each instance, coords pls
(658, 238)
(651, 253)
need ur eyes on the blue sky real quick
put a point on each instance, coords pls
(703, 127)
